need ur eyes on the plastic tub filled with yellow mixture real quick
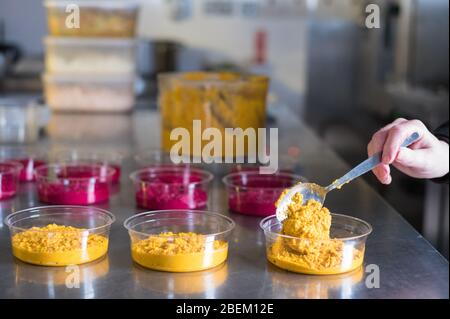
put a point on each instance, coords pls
(179, 240)
(218, 99)
(59, 235)
(313, 241)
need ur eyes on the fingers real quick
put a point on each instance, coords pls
(408, 158)
(378, 139)
(396, 137)
(382, 172)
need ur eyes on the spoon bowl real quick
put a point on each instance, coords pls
(309, 191)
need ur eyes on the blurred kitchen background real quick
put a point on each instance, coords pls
(343, 79)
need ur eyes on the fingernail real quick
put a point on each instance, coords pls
(389, 180)
(385, 159)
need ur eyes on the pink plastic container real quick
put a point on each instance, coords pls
(251, 193)
(30, 159)
(163, 187)
(73, 184)
(9, 178)
(112, 159)
(29, 165)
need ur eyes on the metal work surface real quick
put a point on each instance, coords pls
(409, 266)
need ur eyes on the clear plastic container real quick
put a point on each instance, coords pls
(37, 235)
(98, 56)
(9, 178)
(21, 120)
(97, 18)
(112, 159)
(219, 99)
(162, 187)
(252, 193)
(94, 94)
(179, 240)
(344, 252)
(73, 184)
(28, 157)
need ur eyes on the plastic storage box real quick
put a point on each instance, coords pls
(96, 18)
(77, 55)
(89, 93)
(219, 99)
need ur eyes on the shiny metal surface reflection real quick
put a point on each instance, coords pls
(409, 266)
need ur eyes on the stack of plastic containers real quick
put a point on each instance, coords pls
(90, 68)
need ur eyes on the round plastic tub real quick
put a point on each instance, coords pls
(97, 18)
(81, 55)
(342, 253)
(163, 187)
(179, 240)
(105, 159)
(59, 235)
(252, 193)
(30, 159)
(73, 184)
(9, 178)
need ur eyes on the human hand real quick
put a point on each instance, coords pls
(428, 157)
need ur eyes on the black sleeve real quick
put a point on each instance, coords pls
(442, 133)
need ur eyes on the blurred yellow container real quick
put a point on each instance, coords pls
(115, 19)
(219, 99)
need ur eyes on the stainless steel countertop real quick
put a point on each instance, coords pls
(409, 266)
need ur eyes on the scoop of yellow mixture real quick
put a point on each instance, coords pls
(312, 251)
(179, 252)
(56, 245)
(307, 221)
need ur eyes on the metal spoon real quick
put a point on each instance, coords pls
(318, 193)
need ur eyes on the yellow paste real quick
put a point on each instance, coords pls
(312, 251)
(220, 100)
(179, 252)
(56, 245)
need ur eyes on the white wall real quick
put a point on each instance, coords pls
(25, 23)
(214, 38)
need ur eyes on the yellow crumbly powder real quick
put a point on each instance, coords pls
(56, 245)
(179, 252)
(312, 251)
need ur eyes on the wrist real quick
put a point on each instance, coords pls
(442, 159)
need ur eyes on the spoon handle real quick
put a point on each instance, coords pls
(367, 165)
